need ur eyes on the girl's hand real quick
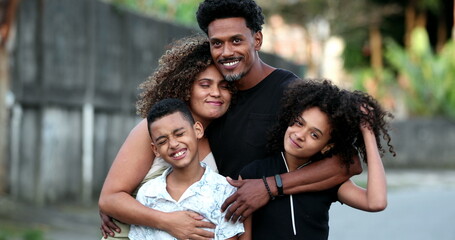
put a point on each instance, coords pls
(368, 112)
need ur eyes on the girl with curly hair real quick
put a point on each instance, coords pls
(186, 72)
(317, 120)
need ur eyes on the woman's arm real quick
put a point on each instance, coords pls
(374, 198)
(129, 168)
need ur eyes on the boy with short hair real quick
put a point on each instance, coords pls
(188, 184)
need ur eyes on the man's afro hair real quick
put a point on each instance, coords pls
(210, 10)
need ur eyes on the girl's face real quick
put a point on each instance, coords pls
(308, 135)
(210, 97)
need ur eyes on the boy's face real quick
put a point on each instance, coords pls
(308, 135)
(233, 46)
(175, 139)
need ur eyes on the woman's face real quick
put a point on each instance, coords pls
(210, 97)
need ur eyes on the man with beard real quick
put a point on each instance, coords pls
(239, 137)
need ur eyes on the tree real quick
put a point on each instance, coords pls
(7, 15)
(181, 11)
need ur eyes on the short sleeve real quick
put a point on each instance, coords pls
(227, 229)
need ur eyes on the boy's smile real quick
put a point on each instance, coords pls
(175, 139)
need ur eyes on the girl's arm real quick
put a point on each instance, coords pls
(129, 168)
(251, 193)
(374, 198)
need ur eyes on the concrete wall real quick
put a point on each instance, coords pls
(75, 71)
(423, 143)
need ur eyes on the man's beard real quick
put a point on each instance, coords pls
(234, 77)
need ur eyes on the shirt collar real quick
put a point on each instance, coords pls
(158, 188)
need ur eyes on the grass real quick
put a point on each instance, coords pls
(12, 232)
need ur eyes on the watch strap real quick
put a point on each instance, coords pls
(279, 185)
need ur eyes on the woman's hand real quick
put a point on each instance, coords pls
(187, 225)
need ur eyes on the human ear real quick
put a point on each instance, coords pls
(327, 148)
(198, 129)
(155, 149)
(257, 40)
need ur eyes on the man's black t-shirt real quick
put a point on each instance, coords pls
(240, 136)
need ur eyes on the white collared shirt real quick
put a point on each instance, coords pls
(204, 197)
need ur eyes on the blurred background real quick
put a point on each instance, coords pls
(69, 71)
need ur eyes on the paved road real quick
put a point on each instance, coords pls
(420, 208)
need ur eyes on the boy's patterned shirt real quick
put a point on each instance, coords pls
(204, 197)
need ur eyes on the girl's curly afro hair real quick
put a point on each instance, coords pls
(210, 10)
(343, 109)
(177, 70)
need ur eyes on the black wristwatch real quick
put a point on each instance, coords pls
(279, 185)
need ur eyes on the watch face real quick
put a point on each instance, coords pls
(278, 180)
(279, 185)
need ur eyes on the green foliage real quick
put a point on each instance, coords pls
(365, 79)
(381, 85)
(430, 5)
(33, 235)
(354, 56)
(21, 234)
(427, 79)
(181, 11)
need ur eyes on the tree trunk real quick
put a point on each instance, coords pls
(410, 15)
(376, 48)
(453, 24)
(4, 116)
(441, 35)
(7, 14)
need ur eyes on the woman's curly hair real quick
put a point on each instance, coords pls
(177, 70)
(343, 109)
(210, 10)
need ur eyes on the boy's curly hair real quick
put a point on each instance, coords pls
(177, 70)
(210, 10)
(343, 109)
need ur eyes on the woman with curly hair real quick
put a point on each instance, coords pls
(317, 120)
(186, 72)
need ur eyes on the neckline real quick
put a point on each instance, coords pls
(259, 84)
(286, 164)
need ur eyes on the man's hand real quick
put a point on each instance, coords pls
(251, 195)
(187, 225)
(107, 226)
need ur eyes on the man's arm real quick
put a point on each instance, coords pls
(320, 175)
(253, 194)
